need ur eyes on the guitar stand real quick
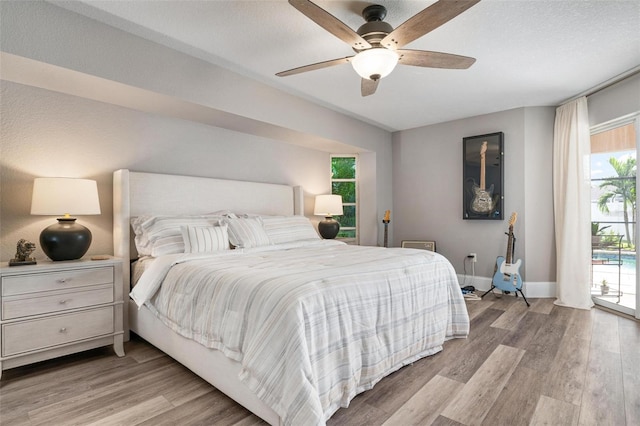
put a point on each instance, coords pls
(511, 246)
(515, 291)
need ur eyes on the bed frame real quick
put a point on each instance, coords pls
(135, 194)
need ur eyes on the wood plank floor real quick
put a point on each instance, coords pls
(545, 365)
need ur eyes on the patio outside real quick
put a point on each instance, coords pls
(613, 275)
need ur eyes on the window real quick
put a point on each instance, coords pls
(613, 215)
(344, 181)
(613, 181)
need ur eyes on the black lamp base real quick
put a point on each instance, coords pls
(65, 240)
(328, 228)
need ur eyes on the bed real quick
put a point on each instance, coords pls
(292, 329)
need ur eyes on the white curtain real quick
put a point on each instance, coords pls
(572, 204)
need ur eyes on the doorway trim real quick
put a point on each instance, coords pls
(634, 119)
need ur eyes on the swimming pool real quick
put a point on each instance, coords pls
(628, 260)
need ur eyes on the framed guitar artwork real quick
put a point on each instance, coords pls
(483, 182)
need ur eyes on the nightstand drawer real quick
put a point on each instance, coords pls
(32, 283)
(17, 307)
(43, 333)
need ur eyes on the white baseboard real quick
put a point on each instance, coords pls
(534, 290)
(540, 289)
(480, 283)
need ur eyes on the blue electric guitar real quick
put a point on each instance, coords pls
(507, 277)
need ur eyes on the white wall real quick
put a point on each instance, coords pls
(616, 101)
(52, 129)
(427, 191)
(539, 231)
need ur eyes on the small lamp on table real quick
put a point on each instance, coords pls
(65, 240)
(328, 206)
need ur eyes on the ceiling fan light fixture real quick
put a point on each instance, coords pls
(375, 63)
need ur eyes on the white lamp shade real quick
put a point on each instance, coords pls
(328, 205)
(377, 62)
(64, 196)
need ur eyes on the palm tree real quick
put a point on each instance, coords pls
(624, 185)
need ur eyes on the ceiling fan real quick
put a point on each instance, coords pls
(378, 46)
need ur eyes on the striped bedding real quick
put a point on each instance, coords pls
(312, 325)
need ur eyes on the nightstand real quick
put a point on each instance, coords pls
(58, 308)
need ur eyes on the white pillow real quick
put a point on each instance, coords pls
(198, 239)
(286, 229)
(247, 232)
(158, 235)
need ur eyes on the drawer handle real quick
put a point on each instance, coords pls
(63, 330)
(62, 280)
(63, 302)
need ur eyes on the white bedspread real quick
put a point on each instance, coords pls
(312, 326)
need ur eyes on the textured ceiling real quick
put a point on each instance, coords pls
(529, 52)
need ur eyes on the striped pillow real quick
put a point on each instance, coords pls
(159, 235)
(198, 239)
(287, 229)
(247, 232)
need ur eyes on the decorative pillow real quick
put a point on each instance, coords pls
(247, 232)
(198, 239)
(286, 229)
(158, 235)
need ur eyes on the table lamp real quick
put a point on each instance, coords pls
(65, 240)
(328, 206)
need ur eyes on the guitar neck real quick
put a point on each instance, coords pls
(510, 247)
(386, 241)
(482, 177)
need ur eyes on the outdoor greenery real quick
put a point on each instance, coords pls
(611, 239)
(343, 182)
(622, 187)
(343, 168)
(349, 233)
(346, 189)
(596, 229)
(348, 219)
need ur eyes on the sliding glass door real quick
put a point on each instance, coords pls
(614, 266)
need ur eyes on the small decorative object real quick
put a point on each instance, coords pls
(328, 206)
(65, 240)
(483, 186)
(24, 249)
(604, 287)
(386, 220)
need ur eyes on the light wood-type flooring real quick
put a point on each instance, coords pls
(520, 366)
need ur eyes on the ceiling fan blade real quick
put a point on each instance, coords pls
(316, 66)
(368, 87)
(330, 23)
(426, 21)
(425, 58)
